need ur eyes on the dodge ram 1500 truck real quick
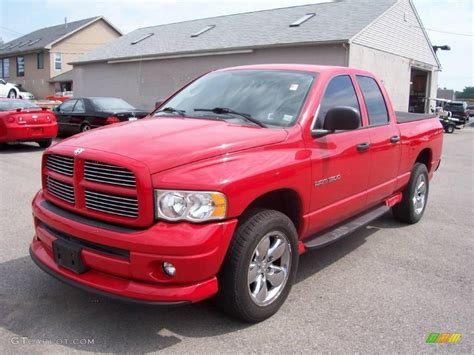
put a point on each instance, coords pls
(220, 189)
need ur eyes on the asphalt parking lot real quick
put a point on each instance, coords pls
(383, 289)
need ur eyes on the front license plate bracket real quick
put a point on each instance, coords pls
(68, 255)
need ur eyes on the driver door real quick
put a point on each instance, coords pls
(340, 168)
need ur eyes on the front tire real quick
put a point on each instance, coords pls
(260, 266)
(415, 196)
(12, 94)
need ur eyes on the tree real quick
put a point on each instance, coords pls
(467, 93)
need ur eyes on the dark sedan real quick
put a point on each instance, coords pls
(84, 113)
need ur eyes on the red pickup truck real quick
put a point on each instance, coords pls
(221, 188)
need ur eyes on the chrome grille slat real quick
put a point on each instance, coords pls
(96, 176)
(58, 169)
(108, 174)
(133, 203)
(108, 168)
(113, 204)
(60, 190)
(122, 209)
(60, 164)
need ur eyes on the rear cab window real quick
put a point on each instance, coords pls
(374, 101)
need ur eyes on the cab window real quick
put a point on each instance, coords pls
(374, 101)
(339, 92)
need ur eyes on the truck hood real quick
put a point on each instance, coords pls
(164, 143)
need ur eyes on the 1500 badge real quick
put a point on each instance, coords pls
(327, 180)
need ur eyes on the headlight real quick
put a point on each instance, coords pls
(194, 206)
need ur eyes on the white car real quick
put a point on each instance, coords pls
(14, 91)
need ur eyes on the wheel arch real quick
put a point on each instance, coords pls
(285, 200)
(425, 157)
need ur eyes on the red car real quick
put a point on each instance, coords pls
(221, 188)
(23, 121)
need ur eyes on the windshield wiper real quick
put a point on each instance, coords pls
(220, 110)
(173, 110)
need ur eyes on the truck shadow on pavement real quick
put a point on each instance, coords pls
(35, 306)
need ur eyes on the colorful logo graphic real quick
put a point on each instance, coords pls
(452, 338)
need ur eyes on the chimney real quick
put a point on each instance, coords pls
(65, 22)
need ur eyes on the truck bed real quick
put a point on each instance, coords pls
(404, 117)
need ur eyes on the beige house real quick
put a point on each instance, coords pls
(39, 60)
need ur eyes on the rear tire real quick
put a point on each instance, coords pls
(415, 196)
(260, 266)
(45, 143)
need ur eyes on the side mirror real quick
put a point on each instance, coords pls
(339, 118)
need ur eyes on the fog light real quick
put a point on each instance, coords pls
(169, 268)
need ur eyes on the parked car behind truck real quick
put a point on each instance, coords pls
(84, 113)
(220, 190)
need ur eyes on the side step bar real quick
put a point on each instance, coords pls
(342, 230)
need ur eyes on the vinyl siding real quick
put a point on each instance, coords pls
(398, 31)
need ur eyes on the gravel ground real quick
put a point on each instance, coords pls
(381, 290)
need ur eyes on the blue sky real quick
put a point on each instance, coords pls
(447, 21)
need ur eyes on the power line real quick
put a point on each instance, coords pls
(451, 33)
(10, 30)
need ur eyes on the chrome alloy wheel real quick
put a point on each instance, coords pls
(269, 268)
(419, 198)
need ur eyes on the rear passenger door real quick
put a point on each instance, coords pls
(385, 146)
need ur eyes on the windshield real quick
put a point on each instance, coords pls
(273, 97)
(111, 104)
(12, 105)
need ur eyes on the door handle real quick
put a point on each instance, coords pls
(362, 147)
(394, 139)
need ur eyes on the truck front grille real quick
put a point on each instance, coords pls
(60, 190)
(113, 204)
(60, 164)
(97, 189)
(108, 174)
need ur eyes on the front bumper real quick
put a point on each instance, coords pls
(126, 263)
(28, 133)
